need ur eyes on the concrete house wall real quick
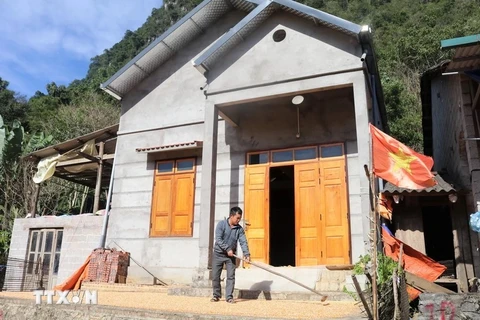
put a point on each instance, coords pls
(305, 51)
(169, 107)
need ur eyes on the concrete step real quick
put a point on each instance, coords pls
(258, 294)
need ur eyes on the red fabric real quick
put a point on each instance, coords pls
(413, 261)
(398, 164)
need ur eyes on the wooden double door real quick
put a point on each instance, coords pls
(321, 210)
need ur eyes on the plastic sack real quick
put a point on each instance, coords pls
(475, 221)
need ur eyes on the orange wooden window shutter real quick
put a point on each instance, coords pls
(182, 204)
(162, 208)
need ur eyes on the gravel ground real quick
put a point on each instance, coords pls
(254, 308)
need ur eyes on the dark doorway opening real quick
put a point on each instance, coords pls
(282, 216)
(437, 230)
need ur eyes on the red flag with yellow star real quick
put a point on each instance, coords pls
(398, 164)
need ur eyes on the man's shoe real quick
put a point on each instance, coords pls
(214, 299)
(230, 300)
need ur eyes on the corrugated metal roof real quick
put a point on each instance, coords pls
(99, 135)
(193, 25)
(465, 58)
(184, 145)
(441, 187)
(467, 53)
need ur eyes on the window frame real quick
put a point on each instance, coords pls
(174, 173)
(270, 153)
(39, 250)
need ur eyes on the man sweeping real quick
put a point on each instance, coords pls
(227, 233)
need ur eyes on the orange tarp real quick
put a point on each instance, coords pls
(75, 280)
(413, 261)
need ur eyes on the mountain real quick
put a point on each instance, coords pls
(407, 36)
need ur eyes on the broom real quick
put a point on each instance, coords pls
(268, 269)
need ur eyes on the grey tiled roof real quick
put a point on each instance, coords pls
(441, 187)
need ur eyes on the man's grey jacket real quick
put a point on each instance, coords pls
(226, 238)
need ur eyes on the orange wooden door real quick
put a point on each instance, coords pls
(334, 211)
(162, 205)
(307, 214)
(257, 212)
(182, 204)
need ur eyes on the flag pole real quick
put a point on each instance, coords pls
(374, 224)
(374, 240)
(375, 246)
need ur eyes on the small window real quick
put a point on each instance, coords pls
(58, 247)
(48, 242)
(56, 263)
(33, 247)
(258, 158)
(41, 241)
(185, 165)
(165, 167)
(282, 156)
(332, 151)
(173, 199)
(31, 261)
(46, 263)
(305, 154)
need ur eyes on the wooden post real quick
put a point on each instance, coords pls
(396, 313)
(98, 186)
(374, 217)
(375, 253)
(35, 199)
(362, 298)
(400, 259)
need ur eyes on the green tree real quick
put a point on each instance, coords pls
(12, 105)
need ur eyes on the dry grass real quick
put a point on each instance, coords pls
(254, 308)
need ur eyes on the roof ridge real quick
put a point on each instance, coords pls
(203, 16)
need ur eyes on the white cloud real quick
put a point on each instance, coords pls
(34, 32)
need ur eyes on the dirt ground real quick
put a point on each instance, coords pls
(254, 308)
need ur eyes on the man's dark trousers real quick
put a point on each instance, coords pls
(218, 260)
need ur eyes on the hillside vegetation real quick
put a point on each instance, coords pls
(407, 36)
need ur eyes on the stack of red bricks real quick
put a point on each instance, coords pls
(108, 266)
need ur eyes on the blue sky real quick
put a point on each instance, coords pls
(53, 40)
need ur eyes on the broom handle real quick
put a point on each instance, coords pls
(281, 275)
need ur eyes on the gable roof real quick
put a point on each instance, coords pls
(261, 13)
(203, 16)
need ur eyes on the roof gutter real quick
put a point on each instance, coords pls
(368, 56)
(111, 92)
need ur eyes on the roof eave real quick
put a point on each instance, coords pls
(347, 26)
(111, 92)
(105, 86)
(460, 42)
(200, 62)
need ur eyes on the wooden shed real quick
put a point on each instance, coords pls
(434, 221)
